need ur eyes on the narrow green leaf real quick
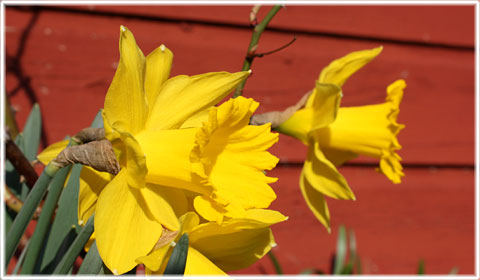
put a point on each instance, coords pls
(98, 120)
(31, 140)
(77, 246)
(65, 220)
(25, 215)
(12, 178)
(310, 271)
(341, 250)
(354, 257)
(178, 259)
(9, 216)
(421, 267)
(276, 264)
(43, 224)
(32, 132)
(453, 271)
(20, 259)
(92, 263)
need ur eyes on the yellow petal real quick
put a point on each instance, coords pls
(323, 176)
(136, 164)
(154, 260)
(157, 71)
(182, 97)
(188, 221)
(198, 264)
(235, 244)
(125, 103)
(167, 158)
(123, 230)
(52, 151)
(339, 70)
(320, 112)
(157, 199)
(315, 201)
(325, 104)
(211, 210)
(92, 183)
(197, 120)
(338, 157)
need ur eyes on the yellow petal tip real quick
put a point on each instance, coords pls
(123, 28)
(80, 222)
(162, 47)
(249, 71)
(273, 245)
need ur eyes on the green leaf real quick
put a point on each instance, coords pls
(453, 271)
(92, 263)
(354, 257)
(32, 132)
(12, 178)
(23, 218)
(276, 264)
(421, 267)
(341, 254)
(65, 226)
(75, 249)
(20, 259)
(310, 271)
(178, 259)
(30, 141)
(98, 120)
(43, 224)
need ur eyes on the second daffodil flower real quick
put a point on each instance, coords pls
(170, 140)
(335, 135)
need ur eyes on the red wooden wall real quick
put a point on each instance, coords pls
(70, 53)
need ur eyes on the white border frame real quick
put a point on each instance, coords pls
(239, 2)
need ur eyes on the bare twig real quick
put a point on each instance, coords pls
(15, 204)
(20, 162)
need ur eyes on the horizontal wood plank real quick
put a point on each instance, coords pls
(71, 59)
(429, 217)
(437, 24)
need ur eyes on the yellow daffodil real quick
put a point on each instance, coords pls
(169, 138)
(215, 248)
(335, 135)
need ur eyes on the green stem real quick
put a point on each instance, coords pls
(276, 264)
(23, 218)
(257, 32)
(77, 246)
(37, 240)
